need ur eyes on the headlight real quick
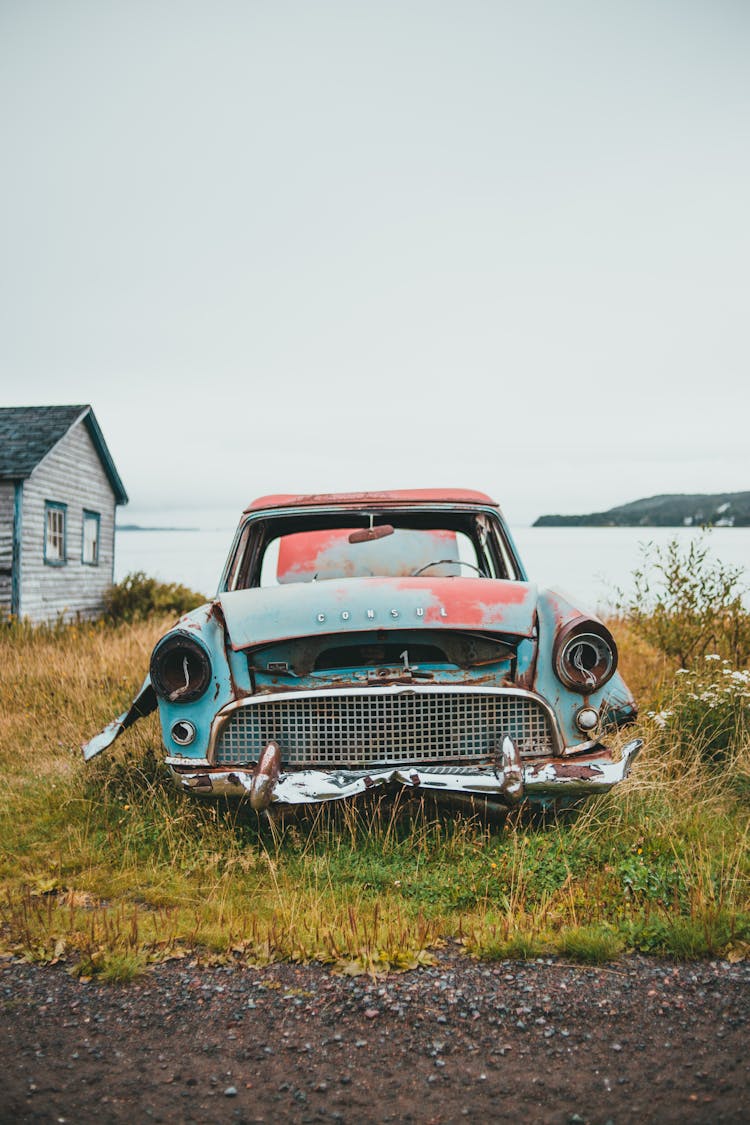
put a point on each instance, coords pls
(180, 669)
(585, 655)
(183, 732)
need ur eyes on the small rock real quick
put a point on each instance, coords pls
(230, 1092)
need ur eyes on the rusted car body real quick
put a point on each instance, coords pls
(376, 639)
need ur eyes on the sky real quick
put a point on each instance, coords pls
(311, 245)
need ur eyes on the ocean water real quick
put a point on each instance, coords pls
(588, 563)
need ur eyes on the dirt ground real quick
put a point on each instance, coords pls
(546, 1041)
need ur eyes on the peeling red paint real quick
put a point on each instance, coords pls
(464, 591)
(372, 499)
(476, 602)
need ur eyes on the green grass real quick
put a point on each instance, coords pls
(108, 868)
(589, 944)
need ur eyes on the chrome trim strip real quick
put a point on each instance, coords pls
(542, 781)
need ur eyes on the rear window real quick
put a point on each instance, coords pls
(308, 556)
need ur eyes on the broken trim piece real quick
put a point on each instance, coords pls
(143, 704)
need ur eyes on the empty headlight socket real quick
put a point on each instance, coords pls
(180, 668)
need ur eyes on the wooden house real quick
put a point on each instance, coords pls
(58, 492)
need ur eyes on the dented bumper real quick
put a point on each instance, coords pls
(507, 782)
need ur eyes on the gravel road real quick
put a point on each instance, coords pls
(546, 1041)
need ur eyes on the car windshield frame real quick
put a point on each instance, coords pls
(485, 527)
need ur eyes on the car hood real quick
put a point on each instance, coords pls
(263, 615)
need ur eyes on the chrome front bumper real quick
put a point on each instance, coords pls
(507, 782)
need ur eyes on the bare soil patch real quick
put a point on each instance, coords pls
(637, 1040)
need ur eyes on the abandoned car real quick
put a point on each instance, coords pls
(363, 640)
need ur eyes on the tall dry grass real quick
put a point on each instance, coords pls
(107, 867)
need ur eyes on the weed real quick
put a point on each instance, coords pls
(121, 967)
(708, 709)
(489, 944)
(590, 944)
(138, 597)
(687, 603)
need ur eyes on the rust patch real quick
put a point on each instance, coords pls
(217, 612)
(579, 771)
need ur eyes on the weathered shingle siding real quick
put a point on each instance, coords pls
(70, 474)
(7, 503)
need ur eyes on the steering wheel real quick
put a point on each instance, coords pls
(452, 562)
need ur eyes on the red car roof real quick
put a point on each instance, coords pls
(374, 499)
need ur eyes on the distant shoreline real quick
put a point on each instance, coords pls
(139, 527)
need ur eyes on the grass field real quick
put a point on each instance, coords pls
(105, 866)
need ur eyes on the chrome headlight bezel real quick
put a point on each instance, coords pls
(585, 656)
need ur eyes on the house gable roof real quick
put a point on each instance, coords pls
(28, 433)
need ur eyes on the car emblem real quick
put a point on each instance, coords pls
(370, 614)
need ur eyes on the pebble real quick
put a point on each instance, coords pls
(582, 1001)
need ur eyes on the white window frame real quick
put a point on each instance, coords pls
(91, 519)
(55, 533)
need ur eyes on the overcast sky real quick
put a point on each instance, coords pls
(335, 245)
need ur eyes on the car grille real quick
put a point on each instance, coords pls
(384, 727)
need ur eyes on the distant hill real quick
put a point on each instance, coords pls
(725, 509)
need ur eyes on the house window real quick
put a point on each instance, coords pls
(54, 533)
(90, 547)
